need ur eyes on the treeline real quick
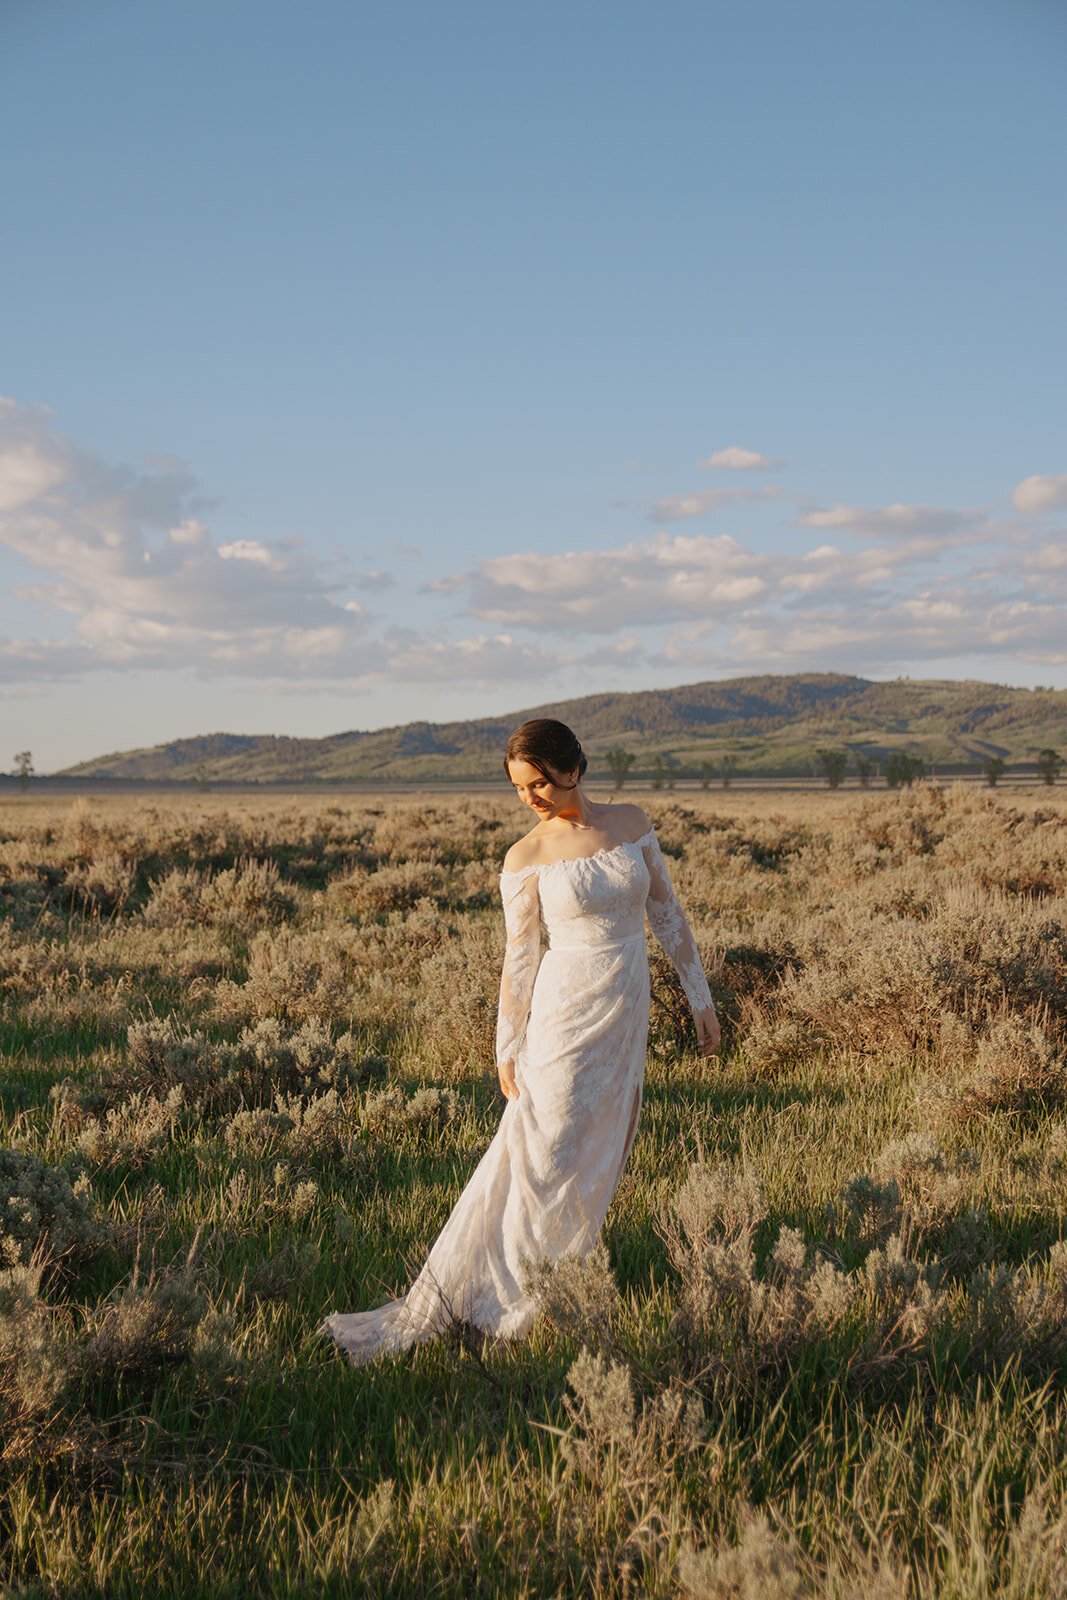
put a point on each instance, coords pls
(900, 768)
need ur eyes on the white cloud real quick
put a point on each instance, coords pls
(445, 585)
(878, 522)
(483, 661)
(673, 508)
(1047, 558)
(670, 577)
(862, 629)
(929, 627)
(190, 532)
(34, 659)
(599, 591)
(27, 471)
(981, 590)
(249, 550)
(124, 558)
(735, 458)
(24, 475)
(829, 568)
(129, 575)
(1041, 493)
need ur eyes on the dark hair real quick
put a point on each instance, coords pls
(549, 746)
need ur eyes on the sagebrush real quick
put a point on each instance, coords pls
(247, 1069)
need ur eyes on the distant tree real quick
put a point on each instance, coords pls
(864, 771)
(24, 769)
(707, 772)
(619, 761)
(994, 768)
(661, 773)
(901, 770)
(727, 766)
(834, 764)
(1048, 764)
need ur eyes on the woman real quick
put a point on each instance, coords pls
(572, 1031)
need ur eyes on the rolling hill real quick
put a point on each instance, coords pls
(771, 725)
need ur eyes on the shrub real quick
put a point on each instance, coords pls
(44, 1216)
(177, 898)
(915, 1194)
(314, 1129)
(33, 1361)
(763, 1565)
(141, 1330)
(24, 903)
(610, 1441)
(100, 886)
(220, 1076)
(390, 888)
(769, 1564)
(578, 1294)
(302, 1062)
(728, 1313)
(132, 1133)
(1016, 1314)
(428, 1110)
(876, 982)
(1019, 1067)
(773, 1043)
(456, 1001)
(76, 1000)
(737, 1320)
(144, 1328)
(291, 977)
(240, 896)
(288, 1270)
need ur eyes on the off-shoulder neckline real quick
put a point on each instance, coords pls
(564, 861)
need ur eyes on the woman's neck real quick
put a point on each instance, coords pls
(578, 813)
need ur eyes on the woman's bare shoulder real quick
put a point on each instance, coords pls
(631, 823)
(525, 852)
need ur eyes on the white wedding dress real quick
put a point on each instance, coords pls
(575, 1023)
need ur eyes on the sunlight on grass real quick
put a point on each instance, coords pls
(247, 1070)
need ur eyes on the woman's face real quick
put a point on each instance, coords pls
(545, 797)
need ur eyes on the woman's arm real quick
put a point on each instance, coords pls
(667, 920)
(522, 920)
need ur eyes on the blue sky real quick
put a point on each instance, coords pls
(365, 364)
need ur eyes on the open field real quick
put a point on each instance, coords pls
(247, 1068)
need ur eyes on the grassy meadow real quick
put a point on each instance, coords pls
(246, 1069)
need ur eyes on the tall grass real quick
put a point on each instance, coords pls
(246, 1071)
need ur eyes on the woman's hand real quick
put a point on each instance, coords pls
(707, 1031)
(505, 1071)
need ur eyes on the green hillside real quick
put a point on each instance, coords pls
(771, 725)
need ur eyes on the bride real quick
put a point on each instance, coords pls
(572, 1032)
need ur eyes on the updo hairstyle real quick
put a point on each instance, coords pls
(549, 746)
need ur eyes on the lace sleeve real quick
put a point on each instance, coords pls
(522, 920)
(667, 920)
